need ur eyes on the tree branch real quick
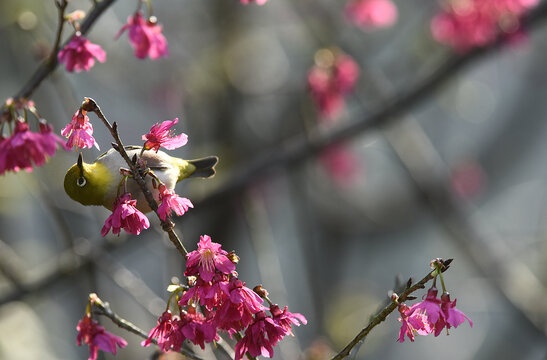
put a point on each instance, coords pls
(167, 225)
(104, 309)
(307, 145)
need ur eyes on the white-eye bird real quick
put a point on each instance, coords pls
(97, 183)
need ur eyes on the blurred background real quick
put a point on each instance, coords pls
(462, 174)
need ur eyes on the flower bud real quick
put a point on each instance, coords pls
(263, 293)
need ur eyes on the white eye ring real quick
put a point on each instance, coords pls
(81, 182)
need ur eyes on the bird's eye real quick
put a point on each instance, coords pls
(81, 182)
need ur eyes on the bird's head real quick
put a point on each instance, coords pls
(88, 183)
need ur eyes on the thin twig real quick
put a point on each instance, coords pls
(104, 309)
(61, 6)
(167, 225)
(382, 315)
(50, 64)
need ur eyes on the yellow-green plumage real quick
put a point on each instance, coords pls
(97, 183)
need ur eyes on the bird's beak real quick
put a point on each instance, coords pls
(81, 165)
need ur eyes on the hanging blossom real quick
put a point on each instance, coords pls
(332, 77)
(227, 305)
(24, 147)
(79, 131)
(145, 37)
(94, 335)
(172, 202)
(80, 54)
(464, 25)
(370, 14)
(161, 135)
(167, 333)
(125, 215)
(431, 315)
(260, 337)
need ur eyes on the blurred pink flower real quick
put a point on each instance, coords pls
(258, 2)
(145, 36)
(468, 179)
(207, 259)
(125, 215)
(24, 147)
(79, 131)
(94, 335)
(328, 83)
(79, 54)
(369, 14)
(170, 201)
(161, 135)
(467, 24)
(341, 163)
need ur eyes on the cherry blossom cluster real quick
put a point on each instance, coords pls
(431, 315)
(464, 25)
(20, 147)
(333, 76)
(217, 300)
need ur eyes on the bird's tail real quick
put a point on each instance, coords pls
(205, 167)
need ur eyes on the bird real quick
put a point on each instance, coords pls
(98, 183)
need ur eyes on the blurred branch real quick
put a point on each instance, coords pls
(304, 146)
(382, 315)
(50, 64)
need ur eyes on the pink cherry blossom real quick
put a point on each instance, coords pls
(260, 337)
(208, 258)
(236, 312)
(210, 294)
(145, 36)
(25, 147)
(167, 333)
(80, 54)
(79, 132)
(412, 324)
(160, 135)
(369, 14)
(285, 318)
(94, 335)
(464, 25)
(431, 309)
(125, 215)
(196, 328)
(453, 316)
(329, 83)
(172, 202)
